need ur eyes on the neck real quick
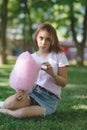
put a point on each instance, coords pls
(42, 53)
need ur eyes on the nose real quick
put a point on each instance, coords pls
(44, 41)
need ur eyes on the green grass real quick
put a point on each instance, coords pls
(71, 113)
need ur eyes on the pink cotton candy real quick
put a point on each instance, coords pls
(24, 73)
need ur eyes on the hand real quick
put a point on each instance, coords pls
(20, 95)
(46, 66)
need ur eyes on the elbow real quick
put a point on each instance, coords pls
(63, 85)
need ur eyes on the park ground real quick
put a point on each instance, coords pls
(71, 113)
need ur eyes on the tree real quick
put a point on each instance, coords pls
(72, 16)
(27, 23)
(82, 43)
(26, 15)
(3, 30)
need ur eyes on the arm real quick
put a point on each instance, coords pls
(60, 78)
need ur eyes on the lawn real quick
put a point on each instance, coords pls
(72, 109)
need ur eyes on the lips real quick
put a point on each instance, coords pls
(42, 46)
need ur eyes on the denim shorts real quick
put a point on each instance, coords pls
(45, 99)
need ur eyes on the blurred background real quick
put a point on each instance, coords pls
(20, 18)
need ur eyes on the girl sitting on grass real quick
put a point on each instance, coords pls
(52, 77)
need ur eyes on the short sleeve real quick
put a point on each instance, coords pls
(62, 60)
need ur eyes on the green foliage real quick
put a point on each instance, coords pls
(53, 11)
(25, 15)
(71, 111)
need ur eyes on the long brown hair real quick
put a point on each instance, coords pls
(55, 47)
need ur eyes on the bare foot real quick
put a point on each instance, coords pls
(3, 110)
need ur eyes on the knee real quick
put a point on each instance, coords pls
(8, 105)
(10, 102)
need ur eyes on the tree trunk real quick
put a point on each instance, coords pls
(80, 55)
(27, 39)
(3, 31)
(80, 45)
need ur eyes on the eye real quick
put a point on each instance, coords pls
(48, 39)
(41, 38)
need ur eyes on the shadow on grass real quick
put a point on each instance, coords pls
(77, 75)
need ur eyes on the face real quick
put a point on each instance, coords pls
(43, 40)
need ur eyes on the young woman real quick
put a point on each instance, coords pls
(51, 78)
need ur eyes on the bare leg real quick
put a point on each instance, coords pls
(30, 111)
(20, 106)
(13, 103)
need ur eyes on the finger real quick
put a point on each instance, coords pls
(49, 66)
(19, 95)
(46, 65)
(19, 98)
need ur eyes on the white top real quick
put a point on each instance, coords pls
(44, 79)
